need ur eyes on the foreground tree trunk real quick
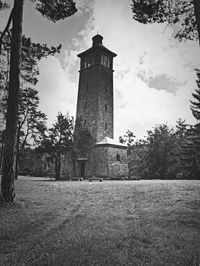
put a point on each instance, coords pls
(2, 147)
(17, 154)
(7, 181)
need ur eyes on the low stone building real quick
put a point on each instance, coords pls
(110, 159)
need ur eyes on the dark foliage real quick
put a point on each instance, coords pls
(167, 153)
(58, 140)
(56, 10)
(180, 12)
(3, 5)
(82, 139)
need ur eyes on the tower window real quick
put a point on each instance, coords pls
(86, 104)
(105, 61)
(106, 126)
(106, 107)
(118, 157)
(105, 89)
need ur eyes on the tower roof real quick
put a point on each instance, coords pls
(111, 142)
(97, 44)
(97, 40)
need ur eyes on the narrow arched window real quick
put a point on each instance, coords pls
(118, 157)
(106, 107)
(106, 126)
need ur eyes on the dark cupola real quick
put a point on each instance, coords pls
(97, 40)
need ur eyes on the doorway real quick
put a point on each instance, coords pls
(82, 168)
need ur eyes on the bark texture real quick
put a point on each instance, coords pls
(7, 181)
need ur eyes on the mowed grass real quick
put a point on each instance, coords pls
(102, 223)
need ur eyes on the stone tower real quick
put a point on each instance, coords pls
(95, 92)
(106, 157)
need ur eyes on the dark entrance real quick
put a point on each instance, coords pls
(82, 168)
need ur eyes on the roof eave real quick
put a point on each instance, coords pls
(97, 48)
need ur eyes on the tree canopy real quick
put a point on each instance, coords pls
(183, 13)
(58, 139)
(55, 10)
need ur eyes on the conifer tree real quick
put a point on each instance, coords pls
(195, 108)
(189, 142)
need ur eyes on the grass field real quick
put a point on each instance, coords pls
(102, 223)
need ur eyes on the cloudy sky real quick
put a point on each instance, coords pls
(154, 74)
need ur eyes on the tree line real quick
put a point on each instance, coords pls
(166, 152)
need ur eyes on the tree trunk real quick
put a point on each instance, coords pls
(197, 15)
(58, 167)
(2, 147)
(17, 154)
(7, 181)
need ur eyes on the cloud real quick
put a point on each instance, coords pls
(161, 82)
(57, 92)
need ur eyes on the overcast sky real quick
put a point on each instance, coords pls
(154, 74)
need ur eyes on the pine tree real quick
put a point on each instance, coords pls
(195, 108)
(189, 146)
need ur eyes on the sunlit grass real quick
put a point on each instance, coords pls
(102, 223)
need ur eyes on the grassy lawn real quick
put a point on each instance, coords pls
(102, 223)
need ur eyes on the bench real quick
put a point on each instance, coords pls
(96, 179)
(76, 179)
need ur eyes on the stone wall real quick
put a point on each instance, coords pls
(118, 165)
(106, 164)
(100, 161)
(105, 104)
(66, 166)
(87, 99)
(95, 101)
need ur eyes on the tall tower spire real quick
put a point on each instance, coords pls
(105, 158)
(95, 93)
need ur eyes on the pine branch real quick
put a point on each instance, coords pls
(6, 28)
